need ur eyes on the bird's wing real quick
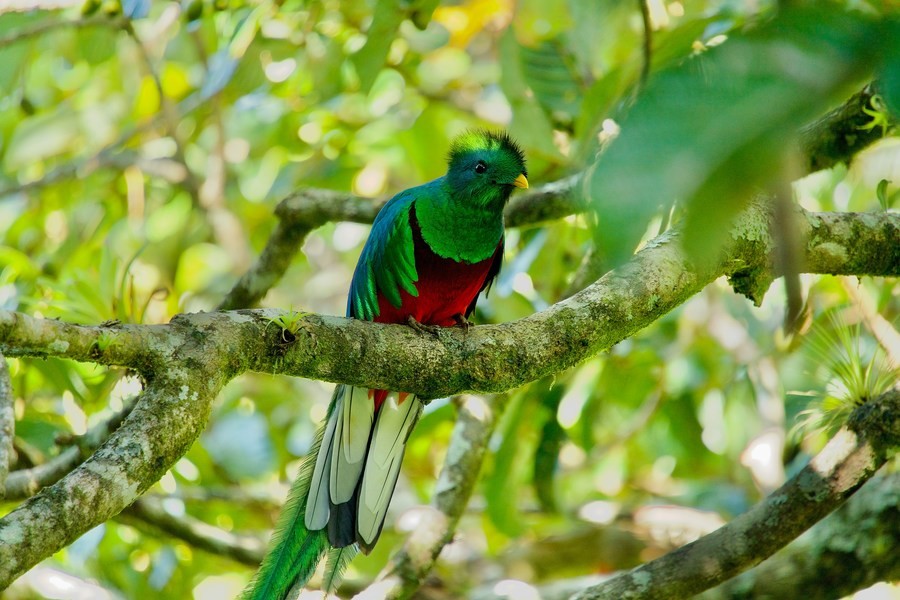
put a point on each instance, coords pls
(387, 263)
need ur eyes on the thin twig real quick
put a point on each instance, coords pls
(84, 166)
(643, 415)
(43, 27)
(148, 513)
(168, 114)
(258, 499)
(7, 424)
(28, 482)
(647, 46)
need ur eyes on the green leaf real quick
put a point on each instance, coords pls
(12, 56)
(715, 131)
(677, 44)
(531, 124)
(599, 101)
(96, 44)
(18, 262)
(550, 441)
(881, 193)
(40, 137)
(381, 34)
(889, 73)
(501, 484)
(548, 70)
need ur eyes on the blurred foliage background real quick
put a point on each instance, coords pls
(143, 149)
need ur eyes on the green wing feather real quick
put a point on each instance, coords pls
(387, 263)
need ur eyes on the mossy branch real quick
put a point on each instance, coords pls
(212, 348)
(149, 514)
(7, 424)
(861, 537)
(842, 133)
(858, 450)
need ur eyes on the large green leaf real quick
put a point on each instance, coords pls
(382, 32)
(549, 71)
(502, 482)
(531, 124)
(714, 131)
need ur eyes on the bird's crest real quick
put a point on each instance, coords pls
(476, 140)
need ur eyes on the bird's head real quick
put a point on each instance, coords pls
(485, 167)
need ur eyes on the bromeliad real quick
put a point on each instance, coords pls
(431, 251)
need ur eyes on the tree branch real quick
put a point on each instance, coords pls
(7, 424)
(211, 348)
(860, 537)
(27, 482)
(857, 451)
(487, 358)
(108, 344)
(168, 417)
(839, 135)
(149, 514)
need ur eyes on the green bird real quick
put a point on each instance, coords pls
(431, 251)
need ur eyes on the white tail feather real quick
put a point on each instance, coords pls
(358, 415)
(383, 463)
(317, 507)
(351, 439)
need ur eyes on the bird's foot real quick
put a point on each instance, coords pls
(462, 321)
(421, 327)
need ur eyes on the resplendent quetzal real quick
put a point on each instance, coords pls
(431, 251)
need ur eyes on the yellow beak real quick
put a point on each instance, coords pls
(521, 182)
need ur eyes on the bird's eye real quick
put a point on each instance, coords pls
(480, 167)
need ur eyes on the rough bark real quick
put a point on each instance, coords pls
(858, 450)
(854, 548)
(841, 134)
(851, 549)
(7, 424)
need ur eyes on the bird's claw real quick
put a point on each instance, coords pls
(462, 321)
(421, 327)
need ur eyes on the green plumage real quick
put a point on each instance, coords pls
(453, 227)
(459, 216)
(467, 233)
(296, 551)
